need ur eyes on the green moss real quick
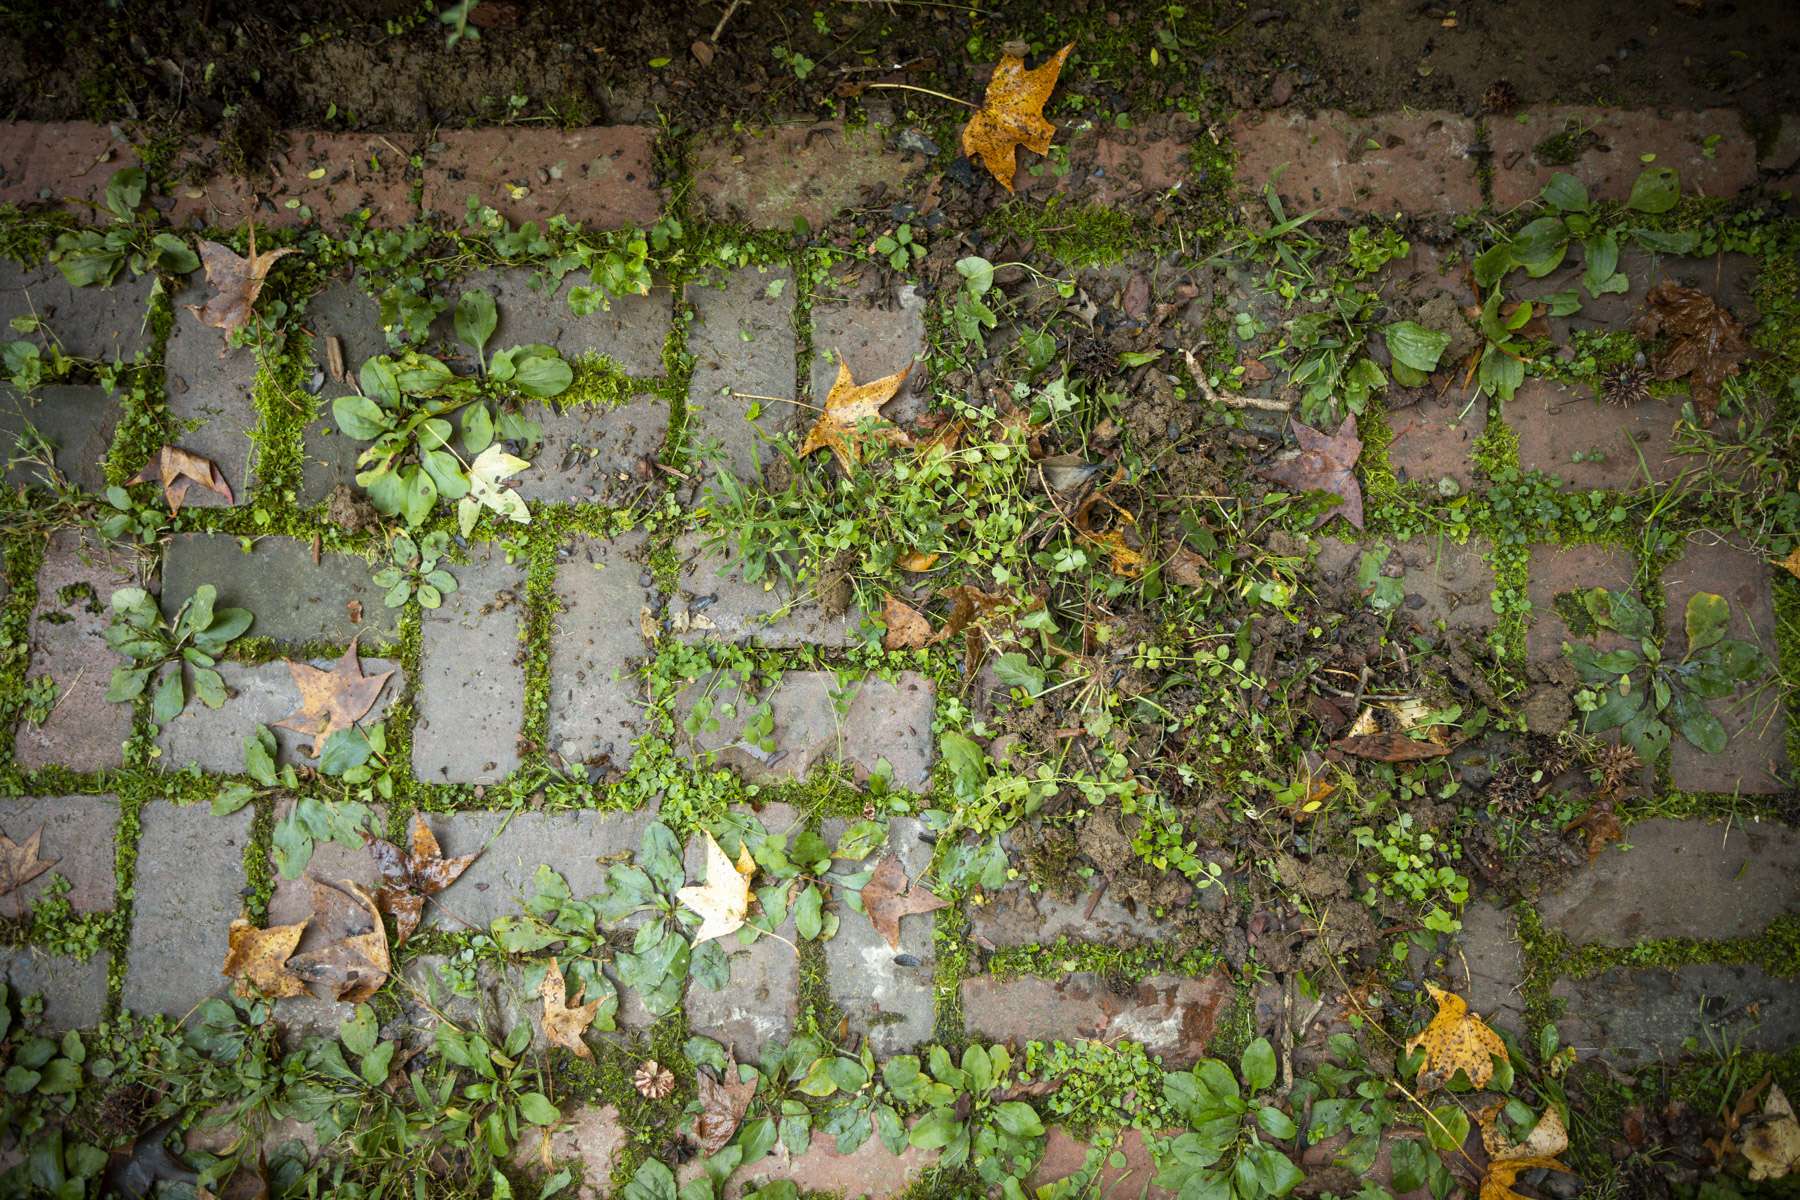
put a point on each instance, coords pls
(1077, 235)
(1131, 964)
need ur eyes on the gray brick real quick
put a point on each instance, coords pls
(496, 884)
(77, 836)
(743, 344)
(293, 599)
(107, 323)
(1489, 966)
(891, 1002)
(715, 603)
(1733, 881)
(189, 887)
(1631, 1017)
(74, 992)
(762, 999)
(471, 694)
(211, 394)
(878, 330)
(344, 311)
(631, 332)
(595, 700)
(595, 454)
(332, 862)
(78, 422)
(1170, 1017)
(260, 695)
(881, 720)
(84, 732)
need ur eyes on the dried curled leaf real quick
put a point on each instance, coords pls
(1706, 343)
(331, 700)
(236, 282)
(564, 1025)
(1497, 1183)
(1388, 747)
(847, 405)
(1773, 1146)
(1548, 1138)
(723, 901)
(354, 964)
(1325, 463)
(888, 896)
(19, 861)
(907, 628)
(409, 879)
(174, 469)
(1012, 115)
(722, 1106)
(1456, 1039)
(257, 959)
(653, 1080)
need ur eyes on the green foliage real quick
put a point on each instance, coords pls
(91, 256)
(1409, 868)
(413, 570)
(1640, 693)
(187, 647)
(1232, 1147)
(900, 248)
(125, 519)
(967, 1117)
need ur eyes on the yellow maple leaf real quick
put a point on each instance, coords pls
(1497, 1183)
(257, 959)
(848, 404)
(1125, 560)
(723, 902)
(1791, 563)
(563, 1025)
(1456, 1039)
(1012, 115)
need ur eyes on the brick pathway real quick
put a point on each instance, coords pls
(524, 689)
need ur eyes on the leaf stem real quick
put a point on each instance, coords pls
(907, 87)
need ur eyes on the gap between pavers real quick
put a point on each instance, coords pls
(84, 731)
(188, 888)
(1691, 879)
(292, 598)
(213, 739)
(471, 686)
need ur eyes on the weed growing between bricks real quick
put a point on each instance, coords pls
(1149, 779)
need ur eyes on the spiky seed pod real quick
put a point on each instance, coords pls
(653, 1081)
(1626, 384)
(1500, 98)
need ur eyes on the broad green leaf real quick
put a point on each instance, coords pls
(1415, 345)
(475, 320)
(1258, 1065)
(1565, 193)
(1696, 723)
(360, 417)
(543, 376)
(1656, 190)
(170, 697)
(1706, 619)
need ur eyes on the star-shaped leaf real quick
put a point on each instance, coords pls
(491, 468)
(257, 959)
(722, 1106)
(354, 963)
(331, 700)
(848, 404)
(1012, 115)
(176, 469)
(563, 1025)
(1325, 464)
(723, 902)
(1456, 1039)
(888, 896)
(407, 879)
(235, 281)
(19, 861)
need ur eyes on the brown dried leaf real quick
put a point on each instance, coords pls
(257, 959)
(174, 469)
(1773, 1146)
(1185, 567)
(848, 404)
(1388, 747)
(355, 963)
(888, 897)
(235, 282)
(1599, 825)
(409, 878)
(907, 628)
(1456, 1039)
(19, 861)
(1706, 344)
(331, 700)
(1012, 115)
(1548, 1138)
(1324, 464)
(722, 1106)
(1791, 564)
(564, 1025)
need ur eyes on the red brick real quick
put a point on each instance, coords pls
(772, 176)
(1555, 423)
(602, 177)
(1171, 1017)
(1108, 165)
(1434, 438)
(1613, 162)
(59, 162)
(360, 171)
(1134, 1179)
(1397, 162)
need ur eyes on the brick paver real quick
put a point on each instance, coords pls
(76, 420)
(877, 330)
(188, 889)
(631, 331)
(345, 312)
(1634, 1016)
(1443, 582)
(1434, 439)
(812, 173)
(593, 454)
(471, 692)
(715, 603)
(318, 178)
(1172, 1017)
(105, 323)
(886, 993)
(1588, 443)
(743, 346)
(211, 395)
(263, 694)
(1412, 163)
(74, 992)
(292, 598)
(600, 176)
(1709, 149)
(594, 695)
(512, 847)
(74, 832)
(61, 163)
(1560, 570)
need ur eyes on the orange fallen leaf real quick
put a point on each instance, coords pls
(331, 700)
(409, 879)
(1600, 825)
(175, 469)
(907, 628)
(236, 282)
(888, 896)
(1012, 115)
(1791, 563)
(1548, 1138)
(1456, 1039)
(1124, 559)
(257, 959)
(917, 561)
(1497, 1183)
(564, 1024)
(847, 405)
(722, 1107)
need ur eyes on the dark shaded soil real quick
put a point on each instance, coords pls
(243, 68)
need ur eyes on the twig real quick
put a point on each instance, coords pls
(1231, 398)
(720, 27)
(907, 87)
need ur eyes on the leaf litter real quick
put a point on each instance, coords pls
(412, 876)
